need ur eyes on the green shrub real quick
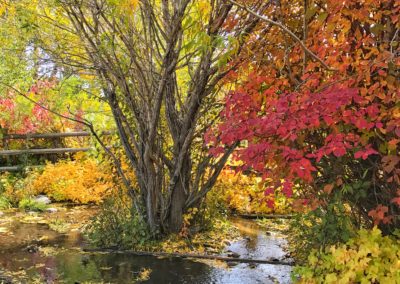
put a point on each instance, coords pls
(31, 205)
(118, 226)
(4, 203)
(367, 258)
(326, 225)
(16, 187)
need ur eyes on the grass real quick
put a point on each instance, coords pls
(4, 203)
(29, 204)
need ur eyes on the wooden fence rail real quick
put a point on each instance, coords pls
(51, 135)
(18, 168)
(43, 151)
(8, 153)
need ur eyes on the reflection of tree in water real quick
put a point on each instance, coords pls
(53, 264)
(251, 234)
(252, 244)
(118, 268)
(255, 243)
(48, 272)
(72, 267)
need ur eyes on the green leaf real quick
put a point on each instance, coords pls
(322, 17)
(311, 12)
(377, 28)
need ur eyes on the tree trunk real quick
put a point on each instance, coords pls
(178, 198)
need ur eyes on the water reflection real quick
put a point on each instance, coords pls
(71, 266)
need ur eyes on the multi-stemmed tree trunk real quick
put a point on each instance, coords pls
(160, 64)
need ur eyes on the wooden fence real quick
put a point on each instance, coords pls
(61, 150)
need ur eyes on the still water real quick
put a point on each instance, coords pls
(64, 262)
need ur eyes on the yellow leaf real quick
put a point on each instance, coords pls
(331, 278)
(134, 3)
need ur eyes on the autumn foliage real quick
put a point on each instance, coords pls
(28, 112)
(245, 194)
(335, 129)
(80, 181)
(367, 258)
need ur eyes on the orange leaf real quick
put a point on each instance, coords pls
(328, 188)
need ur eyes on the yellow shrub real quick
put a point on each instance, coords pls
(81, 181)
(367, 258)
(245, 194)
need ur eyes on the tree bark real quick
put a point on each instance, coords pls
(138, 61)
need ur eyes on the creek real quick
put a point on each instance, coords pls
(62, 261)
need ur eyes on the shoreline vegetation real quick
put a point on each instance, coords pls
(72, 219)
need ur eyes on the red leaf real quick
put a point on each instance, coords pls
(396, 201)
(365, 153)
(339, 151)
(270, 203)
(287, 189)
(269, 191)
(378, 214)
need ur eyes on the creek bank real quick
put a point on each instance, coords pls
(38, 249)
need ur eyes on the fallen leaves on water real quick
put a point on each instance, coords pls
(33, 219)
(142, 275)
(208, 242)
(50, 251)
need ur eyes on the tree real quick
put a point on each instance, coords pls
(159, 65)
(331, 125)
(30, 83)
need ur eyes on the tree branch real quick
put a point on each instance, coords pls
(285, 29)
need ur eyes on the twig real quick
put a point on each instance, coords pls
(285, 29)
